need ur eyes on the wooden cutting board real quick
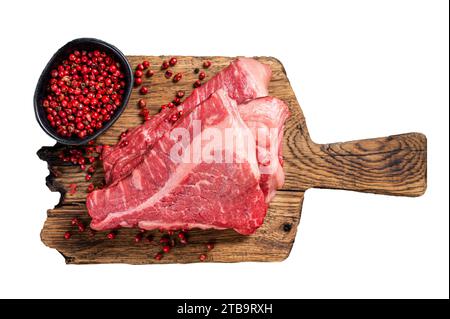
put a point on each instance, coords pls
(393, 165)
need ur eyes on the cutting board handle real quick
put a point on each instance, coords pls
(393, 165)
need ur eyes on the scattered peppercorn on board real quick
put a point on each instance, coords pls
(393, 165)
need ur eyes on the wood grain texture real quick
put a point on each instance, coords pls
(394, 165)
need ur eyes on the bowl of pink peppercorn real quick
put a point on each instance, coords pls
(82, 91)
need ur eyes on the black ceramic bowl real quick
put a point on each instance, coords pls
(88, 44)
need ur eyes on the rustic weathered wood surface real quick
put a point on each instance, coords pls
(394, 165)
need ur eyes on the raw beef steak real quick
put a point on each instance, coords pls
(168, 194)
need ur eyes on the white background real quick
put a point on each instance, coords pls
(360, 69)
